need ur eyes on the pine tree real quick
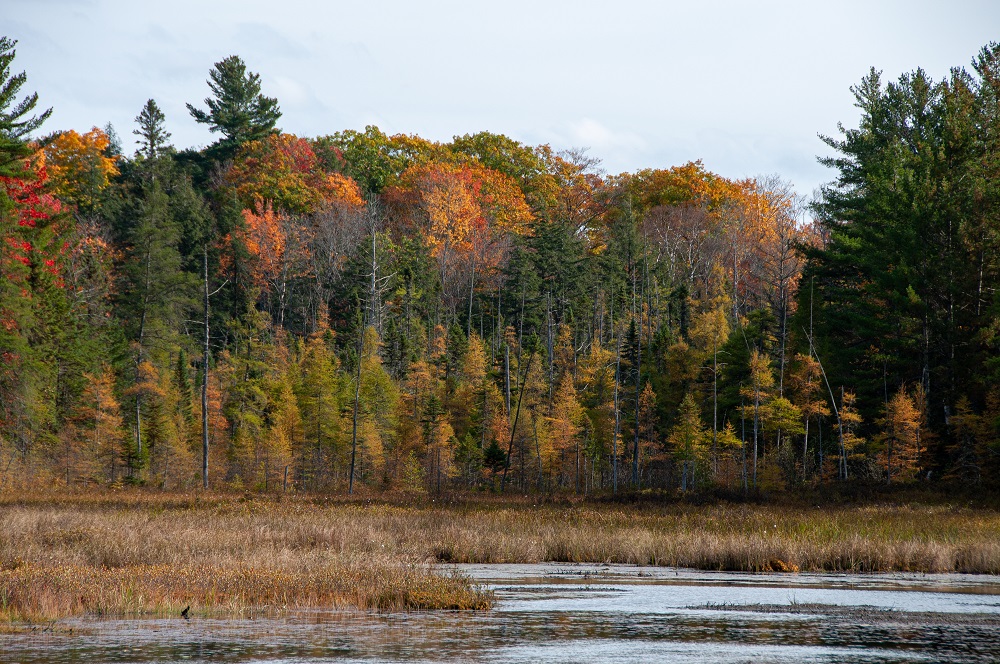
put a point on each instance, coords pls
(21, 228)
(439, 441)
(285, 433)
(237, 109)
(807, 387)
(154, 292)
(910, 248)
(379, 404)
(967, 452)
(153, 136)
(15, 121)
(758, 394)
(97, 427)
(852, 442)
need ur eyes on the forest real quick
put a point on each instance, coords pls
(361, 312)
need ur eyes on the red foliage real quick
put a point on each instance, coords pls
(285, 171)
(34, 233)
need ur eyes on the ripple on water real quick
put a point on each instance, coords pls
(560, 613)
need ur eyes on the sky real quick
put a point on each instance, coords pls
(746, 87)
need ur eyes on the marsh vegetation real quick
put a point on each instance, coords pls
(138, 552)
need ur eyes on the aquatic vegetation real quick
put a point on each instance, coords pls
(150, 552)
(40, 592)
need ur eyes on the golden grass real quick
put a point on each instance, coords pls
(42, 592)
(139, 552)
(732, 538)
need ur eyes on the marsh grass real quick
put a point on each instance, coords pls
(138, 552)
(43, 592)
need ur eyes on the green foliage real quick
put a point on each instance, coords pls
(528, 166)
(153, 136)
(15, 119)
(237, 109)
(320, 401)
(900, 290)
(480, 313)
(367, 156)
(155, 293)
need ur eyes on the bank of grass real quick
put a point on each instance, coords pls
(140, 552)
(33, 592)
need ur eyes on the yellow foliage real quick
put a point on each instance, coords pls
(95, 434)
(77, 165)
(689, 437)
(284, 169)
(902, 436)
(566, 421)
(850, 419)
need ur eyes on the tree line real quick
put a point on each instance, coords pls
(360, 310)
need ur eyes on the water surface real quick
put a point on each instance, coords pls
(571, 613)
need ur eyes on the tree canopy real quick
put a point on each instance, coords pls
(370, 311)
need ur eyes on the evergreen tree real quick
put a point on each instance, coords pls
(379, 404)
(237, 109)
(15, 121)
(155, 293)
(153, 136)
(98, 428)
(901, 283)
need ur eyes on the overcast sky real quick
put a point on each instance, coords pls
(744, 86)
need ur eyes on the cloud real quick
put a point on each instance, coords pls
(592, 134)
(264, 39)
(290, 92)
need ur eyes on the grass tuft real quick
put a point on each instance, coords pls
(139, 552)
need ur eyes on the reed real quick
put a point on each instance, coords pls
(35, 592)
(137, 552)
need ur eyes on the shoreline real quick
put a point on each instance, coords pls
(137, 552)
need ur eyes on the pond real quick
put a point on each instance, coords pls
(572, 613)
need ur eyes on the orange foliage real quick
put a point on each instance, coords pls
(449, 206)
(460, 200)
(687, 184)
(500, 199)
(79, 168)
(768, 235)
(284, 170)
(278, 245)
(340, 188)
(700, 221)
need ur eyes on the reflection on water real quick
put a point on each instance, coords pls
(561, 613)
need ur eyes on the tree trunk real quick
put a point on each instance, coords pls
(506, 377)
(715, 406)
(614, 457)
(756, 427)
(204, 379)
(805, 452)
(843, 448)
(513, 429)
(354, 426)
(638, 385)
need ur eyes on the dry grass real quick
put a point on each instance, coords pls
(141, 552)
(732, 538)
(41, 592)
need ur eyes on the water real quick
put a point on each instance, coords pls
(572, 613)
